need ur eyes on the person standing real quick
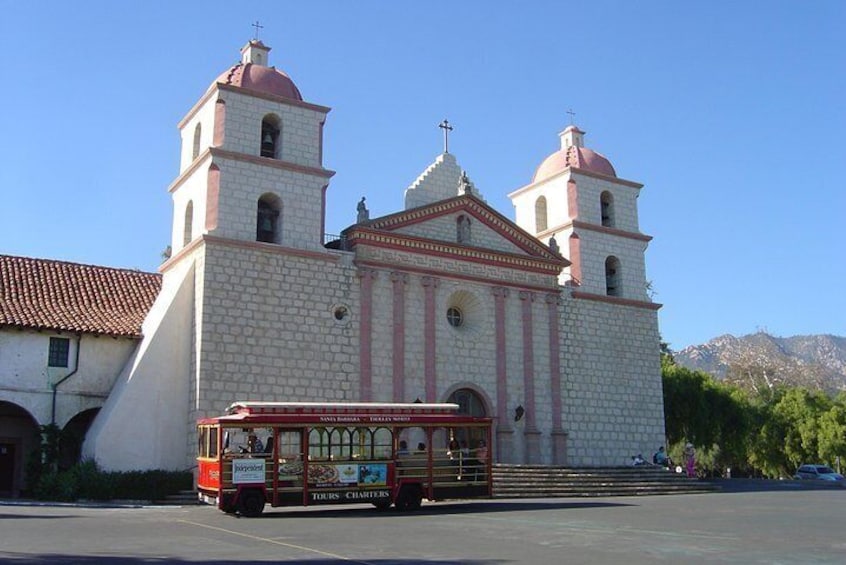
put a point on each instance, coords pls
(690, 460)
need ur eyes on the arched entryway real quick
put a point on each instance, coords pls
(470, 403)
(73, 434)
(18, 437)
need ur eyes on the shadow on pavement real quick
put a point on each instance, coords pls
(435, 509)
(65, 559)
(771, 485)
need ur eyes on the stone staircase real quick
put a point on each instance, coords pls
(538, 481)
(182, 498)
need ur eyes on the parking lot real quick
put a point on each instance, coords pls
(779, 525)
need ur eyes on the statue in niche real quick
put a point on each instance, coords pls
(464, 229)
(363, 212)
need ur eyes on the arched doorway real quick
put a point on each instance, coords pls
(73, 434)
(470, 403)
(18, 437)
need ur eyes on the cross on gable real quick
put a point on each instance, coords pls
(258, 27)
(444, 125)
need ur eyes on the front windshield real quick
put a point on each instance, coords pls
(822, 470)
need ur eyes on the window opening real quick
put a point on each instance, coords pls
(463, 229)
(612, 277)
(540, 214)
(455, 317)
(270, 137)
(197, 134)
(58, 353)
(187, 232)
(267, 220)
(606, 203)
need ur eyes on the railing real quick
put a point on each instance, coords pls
(333, 241)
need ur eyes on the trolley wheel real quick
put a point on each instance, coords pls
(251, 503)
(226, 504)
(410, 497)
(382, 504)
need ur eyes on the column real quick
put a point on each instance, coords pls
(504, 431)
(430, 284)
(399, 282)
(365, 336)
(531, 430)
(559, 436)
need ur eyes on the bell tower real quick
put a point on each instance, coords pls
(577, 198)
(251, 165)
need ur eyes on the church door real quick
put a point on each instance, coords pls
(7, 467)
(471, 404)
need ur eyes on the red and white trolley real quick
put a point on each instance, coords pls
(304, 453)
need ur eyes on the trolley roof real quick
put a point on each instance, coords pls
(259, 412)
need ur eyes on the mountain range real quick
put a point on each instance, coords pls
(761, 360)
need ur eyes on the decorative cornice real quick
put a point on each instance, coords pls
(365, 236)
(196, 107)
(273, 98)
(576, 170)
(610, 231)
(475, 208)
(195, 164)
(399, 277)
(251, 245)
(616, 300)
(452, 275)
(269, 162)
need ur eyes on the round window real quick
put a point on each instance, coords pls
(455, 317)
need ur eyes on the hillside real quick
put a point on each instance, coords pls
(761, 360)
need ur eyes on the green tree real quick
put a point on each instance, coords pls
(832, 434)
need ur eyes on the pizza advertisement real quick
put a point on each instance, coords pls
(321, 475)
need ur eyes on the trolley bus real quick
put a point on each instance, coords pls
(306, 453)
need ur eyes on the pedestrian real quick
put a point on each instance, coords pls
(690, 460)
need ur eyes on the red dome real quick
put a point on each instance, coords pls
(576, 157)
(260, 79)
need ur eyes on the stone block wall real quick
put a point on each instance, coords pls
(613, 399)
(268, 331)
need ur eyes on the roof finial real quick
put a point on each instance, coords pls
(572, 116)
(258, 27)
(444, 125)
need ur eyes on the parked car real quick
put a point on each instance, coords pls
(820, 472)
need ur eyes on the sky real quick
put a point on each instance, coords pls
(732, 115)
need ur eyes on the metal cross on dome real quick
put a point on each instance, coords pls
(444, 125)
(572, 115)
(258, 27)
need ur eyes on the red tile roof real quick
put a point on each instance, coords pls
(56, 295)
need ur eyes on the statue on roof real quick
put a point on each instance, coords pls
(464, 184)
(363, 212)
(553, 245)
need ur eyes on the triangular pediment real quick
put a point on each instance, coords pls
(433, 229)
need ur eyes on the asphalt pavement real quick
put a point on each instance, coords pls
(780, 524)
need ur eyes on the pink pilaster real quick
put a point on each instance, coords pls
(212, 197)
(430, 349)
(572, 199)
(365, 332)
(531, 431)
(399, 280)
(219, 123)
(559, 436)
(504, 431)
(575, 259)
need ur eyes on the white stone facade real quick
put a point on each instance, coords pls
(239, 319)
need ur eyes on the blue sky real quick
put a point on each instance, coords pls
(730, 113)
